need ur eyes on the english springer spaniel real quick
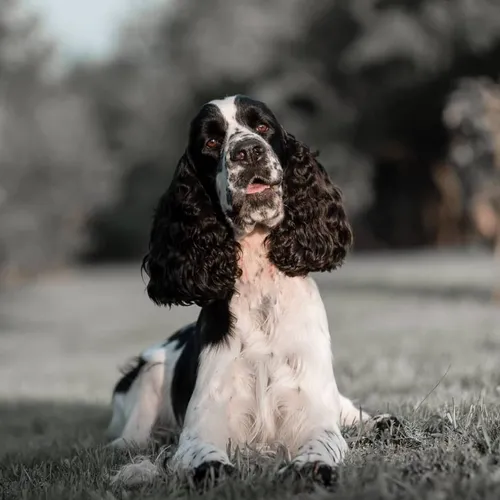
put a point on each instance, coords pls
(250, 213)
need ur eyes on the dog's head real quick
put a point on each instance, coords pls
(241, 170)
(239, 143)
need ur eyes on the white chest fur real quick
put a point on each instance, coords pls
(277, 367)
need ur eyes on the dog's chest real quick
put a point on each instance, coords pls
(260, 304)
(265, 376)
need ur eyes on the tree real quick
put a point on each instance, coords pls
(54, 171)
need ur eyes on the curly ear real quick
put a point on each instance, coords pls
(192, 256)
(314, 235)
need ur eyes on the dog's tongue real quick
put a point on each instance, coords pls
(256, 188)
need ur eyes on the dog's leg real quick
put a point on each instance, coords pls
(142, 406)
(206, 432)
(321, 452)
(317, 440)
(325, 447)
(115, 427)
(321, 445)
(138, 409)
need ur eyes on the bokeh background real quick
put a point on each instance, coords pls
(96, 98)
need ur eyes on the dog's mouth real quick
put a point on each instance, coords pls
(259, 185)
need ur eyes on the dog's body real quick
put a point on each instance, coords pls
(272, 383)
(250, 213)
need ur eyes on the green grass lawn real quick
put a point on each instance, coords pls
(426, 355)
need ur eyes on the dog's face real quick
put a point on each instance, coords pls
(238, 144)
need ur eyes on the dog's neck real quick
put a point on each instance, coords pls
(253, 261)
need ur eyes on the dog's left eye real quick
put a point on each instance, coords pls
(212, 144)
(262, 128)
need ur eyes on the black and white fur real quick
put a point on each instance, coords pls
(249, 214)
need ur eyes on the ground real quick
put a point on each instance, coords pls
(413, 334)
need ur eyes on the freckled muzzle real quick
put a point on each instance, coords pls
(250, 183)
(251, 160)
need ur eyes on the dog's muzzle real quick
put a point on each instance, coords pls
(253, 167)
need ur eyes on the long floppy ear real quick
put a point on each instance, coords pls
(192, 256)
(314, 235)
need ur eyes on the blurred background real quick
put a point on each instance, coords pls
(399, 97)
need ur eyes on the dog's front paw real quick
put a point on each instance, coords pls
(386, 425)
(318, 458)
(319, 473)
(194, 454)
(328, 448)
(211, 471)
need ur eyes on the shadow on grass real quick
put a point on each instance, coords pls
(55, 450)
(29, 428)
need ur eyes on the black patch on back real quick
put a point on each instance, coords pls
(131, 372)
(129, 375)
(211, 330)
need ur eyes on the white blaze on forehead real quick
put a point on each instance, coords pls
(228, 109)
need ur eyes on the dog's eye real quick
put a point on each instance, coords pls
(212, 143)
(262, 128)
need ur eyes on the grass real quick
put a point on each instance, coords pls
(430, 359)
(55, 451)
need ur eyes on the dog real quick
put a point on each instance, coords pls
(249, 215)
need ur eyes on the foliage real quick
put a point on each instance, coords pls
(54, 169)
(85, 159)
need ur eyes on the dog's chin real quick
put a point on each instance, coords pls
(264, 210)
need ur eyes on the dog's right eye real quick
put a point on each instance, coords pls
(212, 143)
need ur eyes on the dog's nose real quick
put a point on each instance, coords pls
(247, 151)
